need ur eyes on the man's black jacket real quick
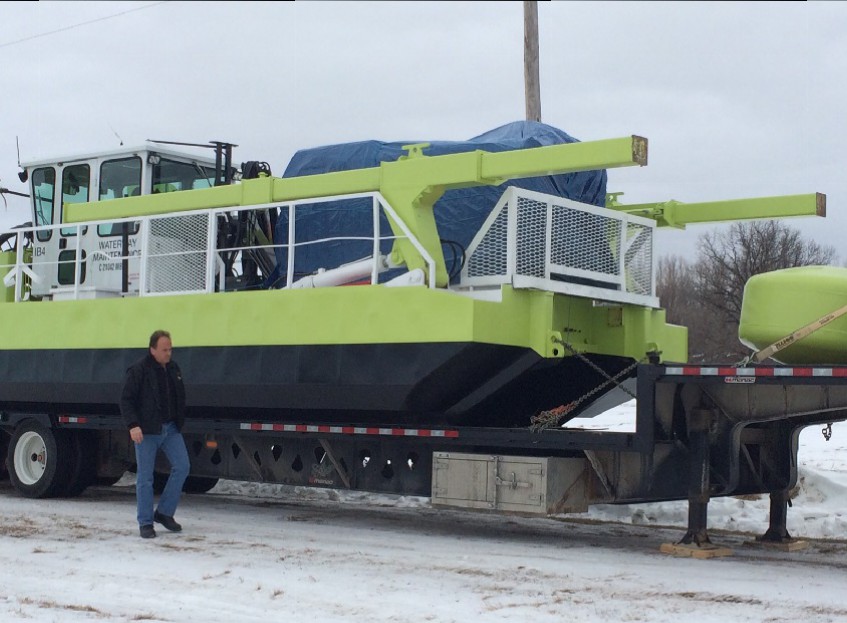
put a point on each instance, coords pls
(140, 398)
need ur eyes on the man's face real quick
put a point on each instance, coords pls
(163, 350)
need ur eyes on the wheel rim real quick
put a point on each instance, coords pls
(30, 458)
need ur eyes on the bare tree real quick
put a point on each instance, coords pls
(675, 280)
(676, 287)
(726, 260)
(706, 296)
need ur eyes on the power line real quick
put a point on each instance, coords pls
(72, 26)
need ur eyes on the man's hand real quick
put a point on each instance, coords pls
(136, 435)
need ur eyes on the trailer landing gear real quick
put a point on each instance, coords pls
(696, 541)
(777, 536)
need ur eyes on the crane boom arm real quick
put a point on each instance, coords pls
(679, 214)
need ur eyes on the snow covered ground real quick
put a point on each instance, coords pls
(819, 510)
(272, 553)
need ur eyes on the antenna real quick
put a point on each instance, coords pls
(116, 135)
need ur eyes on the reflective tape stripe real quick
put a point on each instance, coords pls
(767, 371)
(70, 419)
(349, 430)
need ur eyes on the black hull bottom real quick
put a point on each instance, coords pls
(454, 384)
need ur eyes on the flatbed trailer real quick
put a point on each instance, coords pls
(699, 432)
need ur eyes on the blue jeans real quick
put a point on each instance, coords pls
(172, 444)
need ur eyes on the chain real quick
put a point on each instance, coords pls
(826, 431)
(546, 419)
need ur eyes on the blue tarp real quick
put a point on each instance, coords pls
(458, 214)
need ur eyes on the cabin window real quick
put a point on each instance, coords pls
(76, 181)
(170, 176)
(67, 261)
(119, 178)
(43, 185)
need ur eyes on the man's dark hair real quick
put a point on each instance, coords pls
(154, 339)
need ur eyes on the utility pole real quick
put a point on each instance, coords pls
(530, 46)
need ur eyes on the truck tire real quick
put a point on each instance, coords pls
(4, 450)
(199, 484)
(38, 460)
(193, 484)
(107, 481)
(82, 468)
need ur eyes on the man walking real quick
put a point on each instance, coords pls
(153, 406)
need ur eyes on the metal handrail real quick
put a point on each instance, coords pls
(500, 243)
(21, 269)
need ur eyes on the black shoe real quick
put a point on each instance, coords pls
(147, 532)
(166, 521)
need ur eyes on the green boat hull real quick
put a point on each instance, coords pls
(368, 354)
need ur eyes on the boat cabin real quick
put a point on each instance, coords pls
(56, 183)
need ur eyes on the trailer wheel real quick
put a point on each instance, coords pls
(107, 481)
(199, 484)
(82, 471)
(37, 460)
(4, 450)
(193, 484)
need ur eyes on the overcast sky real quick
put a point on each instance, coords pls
(736, 99)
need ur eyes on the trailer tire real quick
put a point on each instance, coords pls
(38, 460)
(107, 481)
(199, 484)
(4, 451)
(83, 465)
(193, 484)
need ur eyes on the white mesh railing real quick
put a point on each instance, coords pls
(179, 253)
(533, 240)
